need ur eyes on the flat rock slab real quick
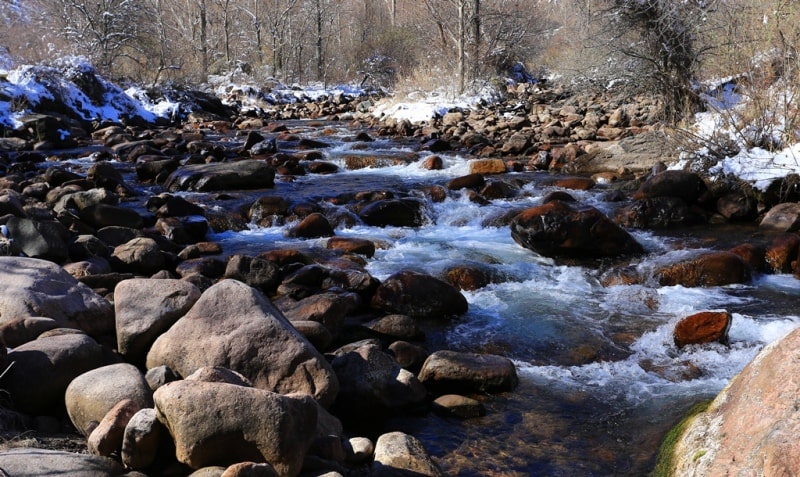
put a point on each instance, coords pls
(34, 462)
(237, 175)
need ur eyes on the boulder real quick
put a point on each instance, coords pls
(487, 166)
(107, 437)
(141, 439)
(250, 469)
(329, 309)
(183, 230)
(419, 296)
(560, 229)
(432, 163)
(237, 175)
(314, 226)
(408, 355)
(92, 394)
(352, 245)
(139, 255)
(373, 384)
(395, 327)
(405, 212)
(223, 424)
(45, 239)
(659, 213)
(707, 270)
(398, 454)
(17, 332)
(235, 326)
(146, 308)
(783, 217)
(44, 367)
(35, 462)
(253, 271)
(685, 185)
(447, 372)
(470, 181)
(751, 426)
(703, 327)
(468, 277)
(104, 215)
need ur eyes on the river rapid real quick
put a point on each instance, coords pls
(601, 381)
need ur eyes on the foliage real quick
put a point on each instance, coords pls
(665, 461)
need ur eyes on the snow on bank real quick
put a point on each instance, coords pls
(419, 107)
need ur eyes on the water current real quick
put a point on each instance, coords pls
(600, 379)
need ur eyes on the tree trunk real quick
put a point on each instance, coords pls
(203, 41)
(461, 46)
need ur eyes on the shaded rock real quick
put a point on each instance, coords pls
(141, 439)
(701, 328)
(685, 185)
(92, 394)
(659, 212)
(314, 226)
(40, 288)
(140, 255)
(395, 327)
(34, 462)
(84, 247)
(44, 367)
(140, 321)
(408, 355)
(737, 206)
(159, 376)
(782, 252)
(707, 270)
(405, 212)
(749, 429)
(753, 255)
(470, 181)
(235, 326)
(45, 239)
(419, 296)
(450, 371)
(19, 331)
(454, 405)
(315, 332)
(104, 215)
(250, 469)
(373, 384)
(398, 454)
(558, 229)
(223, 424)
(107, 437)
(359, 450)
(245, 174)
(254, 271)
(183, 230)
(783, 217)
(326, 308)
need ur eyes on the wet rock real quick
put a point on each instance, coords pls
(155, 168)
(408, 355)
(659, 213)
(470, 181)
(352, 245)
(183, 230)
(419, 296)
(737, 207)
(235, 326)
(468, 277)
(40, 288)
(222, 424)
(321, 167)
(140, 321)
(454, 405)
(753, 255)
(432, 163)
(498, 190)
(245, 174)
(91, 395)
(373, 384)
(558, 229)
(575, 183)
(450, 371)
(44, 367)
(749, 429)
(141, 439)
(314, 226)
(269, 210)
(31, 462)
(140, 256)
(254, 271)
(398, 454)
(45, 239)
(781, 252)
(708, 270)
(784, 217)
(702, 328)
(405, 212)
(168, 205)
(687, 186)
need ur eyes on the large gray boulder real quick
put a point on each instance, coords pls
(419, 295)
(45, 239)
(246, 174)
(398, 454)
(222, 424)
(146, 308)
(92, 394)
(33, 287)
(451, 371)
(28, 462)
(235, 326)
(44, 367)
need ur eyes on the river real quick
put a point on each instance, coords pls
(601, 381)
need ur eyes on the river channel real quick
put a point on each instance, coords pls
(601, 381)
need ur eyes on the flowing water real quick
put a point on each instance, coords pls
(600, 379)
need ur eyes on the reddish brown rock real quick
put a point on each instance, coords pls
(314, 226)
(781, 252)
(753, 255)
(575, 183)
(702, 328)
(352, 245)
(708, 270)
(419, 296)
(470, 181)
(107, 437)
(487, 166)
(432, 163)
(559, 229)
(687, 186)
(467, 277)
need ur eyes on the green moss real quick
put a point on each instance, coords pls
(665, 462)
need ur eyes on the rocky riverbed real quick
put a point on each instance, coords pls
(246, 292)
